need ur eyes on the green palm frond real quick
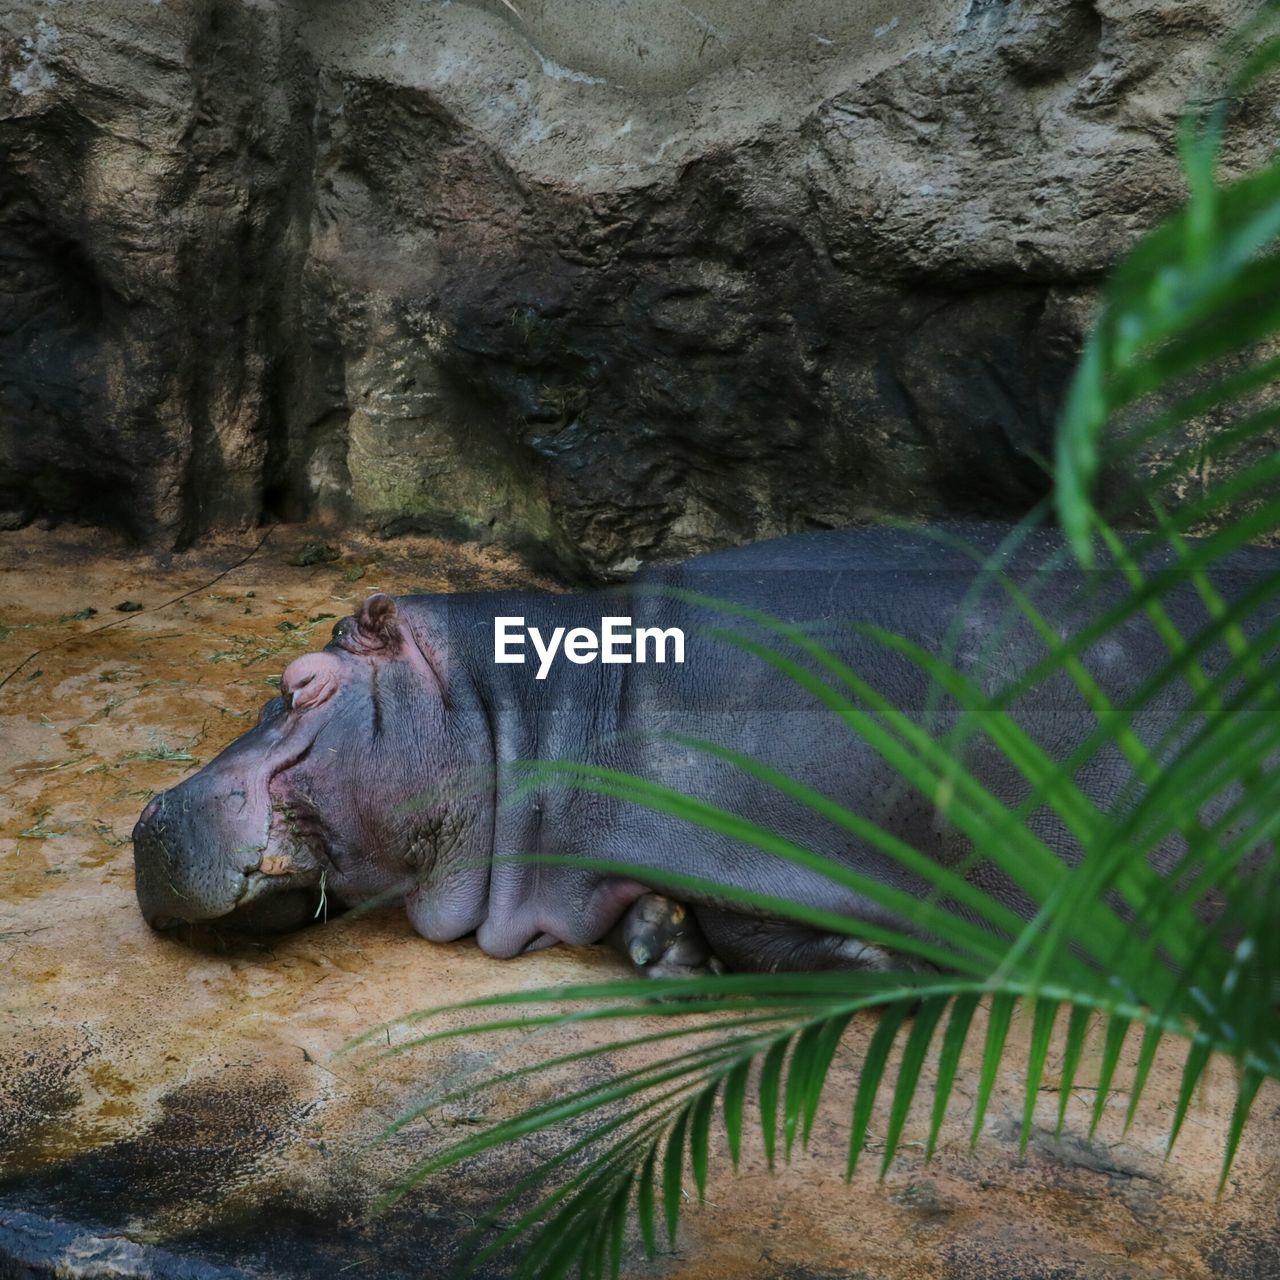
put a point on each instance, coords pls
(1115, 953)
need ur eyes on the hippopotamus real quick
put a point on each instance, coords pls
(388, 769)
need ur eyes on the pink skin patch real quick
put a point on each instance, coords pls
(309, 680)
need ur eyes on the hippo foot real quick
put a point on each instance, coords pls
(661, 938)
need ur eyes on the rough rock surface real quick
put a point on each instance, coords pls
(597, 281)
(175, 1108)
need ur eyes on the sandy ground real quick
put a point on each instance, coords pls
(174, 1106)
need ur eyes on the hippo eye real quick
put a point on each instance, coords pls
(310, 680)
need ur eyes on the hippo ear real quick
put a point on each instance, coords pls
(378, 621)
(377, 627)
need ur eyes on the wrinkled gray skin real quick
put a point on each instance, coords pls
(381, 768)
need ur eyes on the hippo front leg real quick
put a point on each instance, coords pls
(754, 944)
(662, 939)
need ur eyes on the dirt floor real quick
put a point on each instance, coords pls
(173, 1106)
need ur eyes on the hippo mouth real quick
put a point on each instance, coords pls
(289, 896)
(283, 909)
(191, 868)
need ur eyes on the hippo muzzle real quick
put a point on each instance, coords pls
(217, 847)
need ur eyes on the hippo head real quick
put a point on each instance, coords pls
(317, 801)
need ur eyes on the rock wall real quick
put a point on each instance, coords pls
(601, 282)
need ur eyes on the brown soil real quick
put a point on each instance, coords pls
(185, 1092)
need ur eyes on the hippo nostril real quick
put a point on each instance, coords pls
(143, 828)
